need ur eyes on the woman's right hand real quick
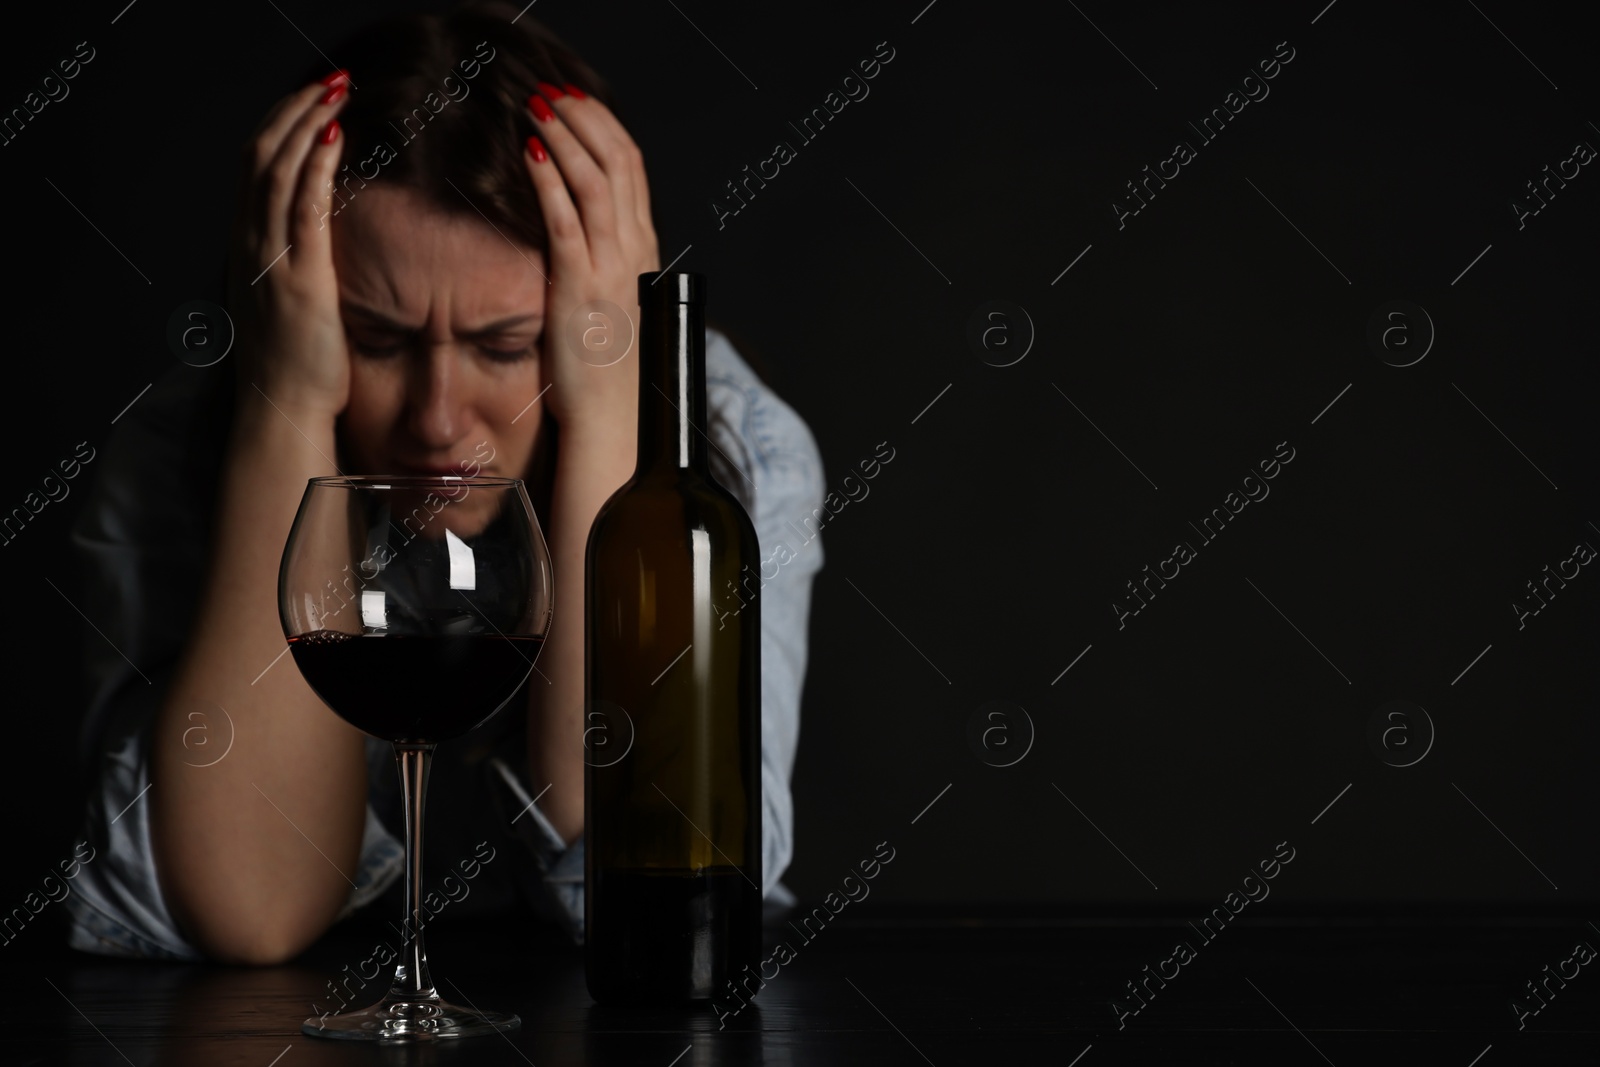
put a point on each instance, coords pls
(283, 294)
(234, 869)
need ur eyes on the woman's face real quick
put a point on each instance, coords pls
(444, 318)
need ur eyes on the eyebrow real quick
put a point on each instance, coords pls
(378, 318)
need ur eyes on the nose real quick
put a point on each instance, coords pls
(436, 397)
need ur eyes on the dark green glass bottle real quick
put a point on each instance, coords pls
(672, 662)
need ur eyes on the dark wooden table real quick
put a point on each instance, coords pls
(884, 987)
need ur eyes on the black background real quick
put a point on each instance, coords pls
(1179, 750)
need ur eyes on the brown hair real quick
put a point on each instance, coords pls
(459, 82)
(406, 72)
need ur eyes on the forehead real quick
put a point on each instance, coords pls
(395, 250)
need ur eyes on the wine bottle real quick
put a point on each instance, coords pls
(672, 782)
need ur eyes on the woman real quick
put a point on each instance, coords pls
(414, 236)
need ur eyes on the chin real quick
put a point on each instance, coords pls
(428, 514)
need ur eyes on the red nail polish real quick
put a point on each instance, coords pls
(550, 90)
(575, 92)
(330, 132)
(540, 109)
(536, 148)
(335, 93)
(336, 77)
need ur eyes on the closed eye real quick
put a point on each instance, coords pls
(504, 350)
(377, 344)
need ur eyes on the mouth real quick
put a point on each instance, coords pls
(464, 469)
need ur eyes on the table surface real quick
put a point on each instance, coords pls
(881, 987)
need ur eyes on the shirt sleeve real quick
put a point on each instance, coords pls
(766, 456)
(141, 545)
(552, 883)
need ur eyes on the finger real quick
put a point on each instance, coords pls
(311, 211)
(589, 184)
(569, 251)
(641, 212)
(607, 144)
(282, 177)
(641, 200)
(594, 115)
(263, 145)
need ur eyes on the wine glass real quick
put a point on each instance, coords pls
(415, 608)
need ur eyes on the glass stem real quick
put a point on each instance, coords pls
(411, 978)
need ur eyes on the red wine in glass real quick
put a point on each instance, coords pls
(414, 690)
(415, 608)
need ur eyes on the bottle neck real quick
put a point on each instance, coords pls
(672, 388)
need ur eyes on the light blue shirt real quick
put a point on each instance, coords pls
(143, 541)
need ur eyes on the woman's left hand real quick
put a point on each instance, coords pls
(596, 200)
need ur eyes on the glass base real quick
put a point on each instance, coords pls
(396, 1020)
